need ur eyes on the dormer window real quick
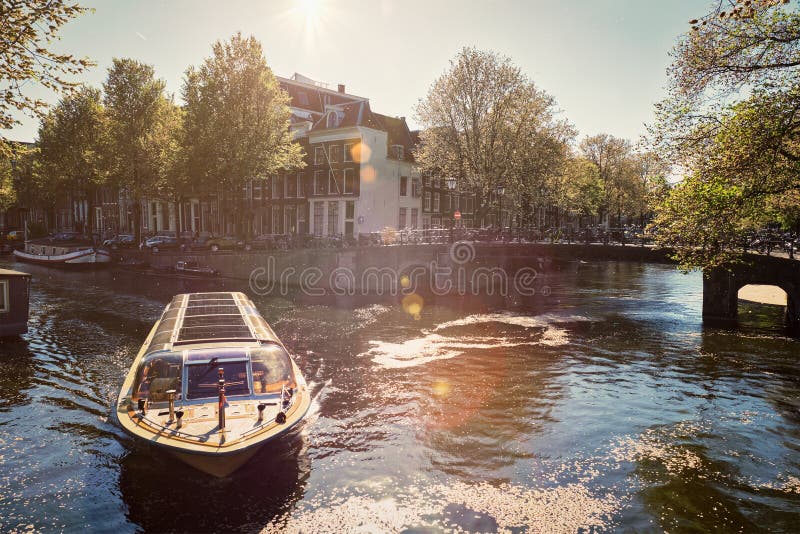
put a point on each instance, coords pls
(397, 151)
(333, 119)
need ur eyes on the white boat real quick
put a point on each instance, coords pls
(49, 252)
(212, 383)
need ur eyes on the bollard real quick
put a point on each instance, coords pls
(221, 387)
(171, 399)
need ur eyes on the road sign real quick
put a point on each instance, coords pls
(457, 215)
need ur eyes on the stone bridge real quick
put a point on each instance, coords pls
(721, 286)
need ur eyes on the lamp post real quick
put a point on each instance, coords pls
(500, 189)
(451, 186)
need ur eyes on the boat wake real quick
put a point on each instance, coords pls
(447, 339)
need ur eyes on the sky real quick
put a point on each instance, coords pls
(604, 61)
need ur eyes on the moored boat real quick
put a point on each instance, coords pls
(212, 383)
(54, 251)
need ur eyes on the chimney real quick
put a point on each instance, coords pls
(403, 119)
(341, 88)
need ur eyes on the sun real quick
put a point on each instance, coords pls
(307, 7)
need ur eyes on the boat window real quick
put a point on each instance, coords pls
(203, 379)
(157, 374)
(272, 369)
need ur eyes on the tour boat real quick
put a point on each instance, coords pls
(212, 383)
(49, 252)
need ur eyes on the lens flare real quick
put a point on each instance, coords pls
(441, 388)
(413, 304)
(361, 153)
(368, 173)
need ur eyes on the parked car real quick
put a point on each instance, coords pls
(215, 243)
(15, 235)
(159, 242)
(67, 236)
(120, 241)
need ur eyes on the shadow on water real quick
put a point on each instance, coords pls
(162, 494)
(18, 372)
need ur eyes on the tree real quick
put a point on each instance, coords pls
(731, 122)
(8, 194)
(26, 32)
(485, 123)
(140, 117)
(237, 119)
(71, 144)
(583, 190)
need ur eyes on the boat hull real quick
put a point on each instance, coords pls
(79, 257)
(218, 461)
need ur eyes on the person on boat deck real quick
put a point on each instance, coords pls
(155, 380)
(259, 377)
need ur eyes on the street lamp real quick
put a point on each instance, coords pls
(451, 186)
(500, 189)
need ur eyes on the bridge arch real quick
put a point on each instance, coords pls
(721, 286)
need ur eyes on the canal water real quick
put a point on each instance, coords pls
(610, 406)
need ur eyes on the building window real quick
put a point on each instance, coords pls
(436, 222)
(415, 187)
(319, 155)
(319, 182)
(333, 217)
(333, 119)
(436, 183)
(348, 152)
(414, 217)
(447, 202)
(301, 220)
(333, 153)
(427, 201)
(319, 209)
(349, 210)
(403, 186)
(291, 187)
(397, 151)
(436, 202)
(257, 185)
(4, 305)
(302, 98)
(469, 205)
(426, 180)
(335, 182)
(301, 185)
(277, 220)
(290, 216)
(349, 181)
(455, 203)
(402, 223)
(277, 187)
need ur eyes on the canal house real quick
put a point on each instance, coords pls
(14, 291)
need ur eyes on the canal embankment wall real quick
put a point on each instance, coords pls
(460, 266)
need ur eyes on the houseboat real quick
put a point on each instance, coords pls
(62, 249)
(14, 295)
(212, 383)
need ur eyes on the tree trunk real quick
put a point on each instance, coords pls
(137, 221)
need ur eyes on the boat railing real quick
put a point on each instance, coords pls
(174, 431)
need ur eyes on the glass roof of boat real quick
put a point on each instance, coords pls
(193, 318)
